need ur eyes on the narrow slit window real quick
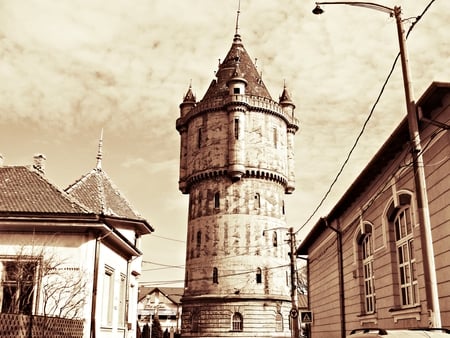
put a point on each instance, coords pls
(236, 129)
(275, 137)
(257, 201)
(199, 137)
(258, 276)
(215, 276)
(217, 200)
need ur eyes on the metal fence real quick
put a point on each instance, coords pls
(26, 326)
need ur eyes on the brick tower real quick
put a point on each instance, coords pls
(236, 164)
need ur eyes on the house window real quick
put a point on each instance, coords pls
(217, 200)
(258, 276)
(215, 276)
(17, 285)
(123, 286)
(236, 129)
(108, 296)
(368, 276)
(236, 90)
(404, 242)
(279, 322)
(237, 322)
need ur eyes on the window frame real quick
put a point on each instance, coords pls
(28, 286)
(368, 279)
(406, 262)
(108, 293)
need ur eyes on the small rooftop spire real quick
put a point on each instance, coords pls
(99, 152)
(237, 36)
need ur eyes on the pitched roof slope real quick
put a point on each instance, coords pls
(98, 192)
(25, 190)
(238, 62)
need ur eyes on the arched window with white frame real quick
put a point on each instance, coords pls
(404, 242)
(367, 259)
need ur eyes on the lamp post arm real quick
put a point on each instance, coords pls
(371, 5)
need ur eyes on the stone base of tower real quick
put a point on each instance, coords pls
(235, 317)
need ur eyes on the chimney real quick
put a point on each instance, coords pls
(39, 163)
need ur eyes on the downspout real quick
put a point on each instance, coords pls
(98, 241)
(341, 276)
(94, 286)
(127, 295)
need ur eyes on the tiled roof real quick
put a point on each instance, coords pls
(98, 192)
(238, 62)
(172, 293)
(25, 190)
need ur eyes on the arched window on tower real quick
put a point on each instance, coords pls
(215, 276)
(237, 322)
(258, 276)
(194, 322)
(274, 239)
(279, 322)
(236, 127)
(257, 201)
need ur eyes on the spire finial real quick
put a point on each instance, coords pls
(99, 152)
(236, 34)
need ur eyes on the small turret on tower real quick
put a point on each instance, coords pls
(188, 102)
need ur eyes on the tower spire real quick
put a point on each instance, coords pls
(99, 152)
(236, 33)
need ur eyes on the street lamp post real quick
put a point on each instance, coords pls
(418, 164)
(294, 297)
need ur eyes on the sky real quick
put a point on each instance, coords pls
(69, 69)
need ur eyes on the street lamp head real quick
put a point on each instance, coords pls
(317, 10)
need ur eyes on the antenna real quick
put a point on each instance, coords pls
(237, 17)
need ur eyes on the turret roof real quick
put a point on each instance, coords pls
(238, 62)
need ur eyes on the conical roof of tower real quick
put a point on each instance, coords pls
(285, 96)
(237, 62)
(189, 97)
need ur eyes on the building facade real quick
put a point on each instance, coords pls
(163, 302)
(368, 258)
(70, 255)
(237, 164)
